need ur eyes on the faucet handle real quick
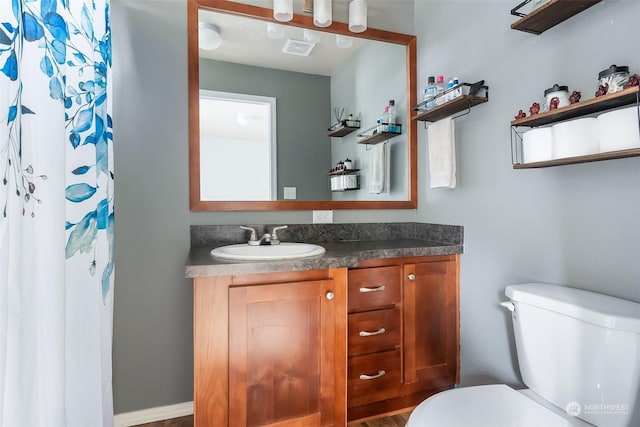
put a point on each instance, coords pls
(254, 234)
(274, 235)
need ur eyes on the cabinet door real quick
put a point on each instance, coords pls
(281, 353)
(431, 322)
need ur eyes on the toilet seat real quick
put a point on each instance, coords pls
(486, 406)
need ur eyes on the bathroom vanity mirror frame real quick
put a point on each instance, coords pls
(302, 21)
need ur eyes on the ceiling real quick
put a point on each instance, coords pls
(245, 41)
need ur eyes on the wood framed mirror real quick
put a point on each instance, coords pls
(404, 149)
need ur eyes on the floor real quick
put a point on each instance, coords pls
(398, 420)
(175, 422)
(394, 421)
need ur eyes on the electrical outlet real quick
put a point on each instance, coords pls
(290, 193)
(322, 217)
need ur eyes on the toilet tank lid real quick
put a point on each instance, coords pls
(598, 309)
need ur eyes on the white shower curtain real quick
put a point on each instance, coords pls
(56, 214)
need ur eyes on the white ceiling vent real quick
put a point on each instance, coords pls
(298, 47)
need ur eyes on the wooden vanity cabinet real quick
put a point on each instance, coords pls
(323, 347)
(270, 350)
(403, 331)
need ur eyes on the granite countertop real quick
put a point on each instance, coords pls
(346, 245)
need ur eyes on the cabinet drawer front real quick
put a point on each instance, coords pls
(373, 378)
(374, 287)
(374, 331)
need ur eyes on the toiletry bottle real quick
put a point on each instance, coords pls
(384, 118)
(449, 95)
(430, 92)
(391, 116)
(378, 128)
(458, 88)
(440, 88)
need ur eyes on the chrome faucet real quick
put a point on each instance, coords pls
(274, 236)
(266, 239)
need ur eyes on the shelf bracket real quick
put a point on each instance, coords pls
(516, 146)
(515, 12)
(368, 147)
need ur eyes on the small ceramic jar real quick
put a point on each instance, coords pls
(557, 91)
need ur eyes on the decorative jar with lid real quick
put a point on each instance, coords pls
(556, 91)
(613, 78)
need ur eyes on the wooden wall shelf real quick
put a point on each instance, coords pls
(378, 137)
(343, 172)
(450, 108)
(634, 152)
(582, 108)
(550, 14)
(341, 130)
(595, 105)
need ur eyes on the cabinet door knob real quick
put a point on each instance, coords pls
(411, 277)
(330, 295)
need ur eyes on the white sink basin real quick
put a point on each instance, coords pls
(286, 250)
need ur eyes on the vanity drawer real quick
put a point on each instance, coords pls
(370, 288)
(373, 377)
(374, 331)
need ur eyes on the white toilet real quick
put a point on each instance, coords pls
(579, 356)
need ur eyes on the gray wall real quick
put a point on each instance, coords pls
(574, 224)
(302, 113)
(152, 341)
(577, 225)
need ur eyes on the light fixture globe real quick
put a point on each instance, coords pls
(322, 13)
(357, 16)
(283, 10)
(208, 36)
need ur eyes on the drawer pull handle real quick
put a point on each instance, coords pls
(376, 289)
(369, 334)
(372, 377)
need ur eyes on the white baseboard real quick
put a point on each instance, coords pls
(128, 419)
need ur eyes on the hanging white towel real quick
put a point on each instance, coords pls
(442, 153)
(377, 168)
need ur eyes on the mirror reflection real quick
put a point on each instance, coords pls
(242, 127)
(269, 93)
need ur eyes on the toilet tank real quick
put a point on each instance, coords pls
(580, 351)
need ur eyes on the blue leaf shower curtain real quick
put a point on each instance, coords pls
(56, 214)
